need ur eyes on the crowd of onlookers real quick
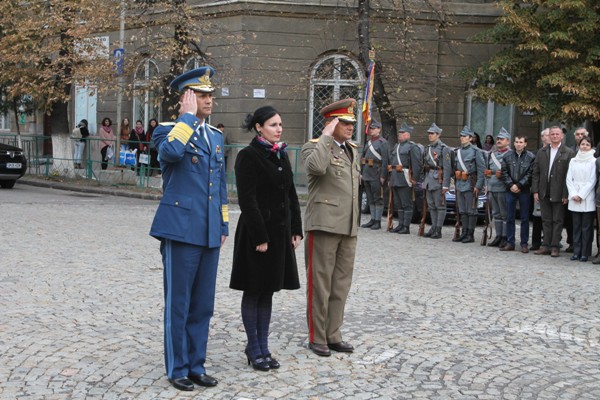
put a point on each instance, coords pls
(134, 140)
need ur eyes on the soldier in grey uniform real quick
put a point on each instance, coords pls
(496, 189)
(405, 168)
(468, 166)
(374, 163)
(436, 160)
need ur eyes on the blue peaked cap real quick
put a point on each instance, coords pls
(197, 79)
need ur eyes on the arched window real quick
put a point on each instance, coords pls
(193, 63)
(334, 77)
(146, 103)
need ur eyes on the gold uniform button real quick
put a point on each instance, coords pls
(210, 184)
(211, 171)
(210, 197)
(176, 203)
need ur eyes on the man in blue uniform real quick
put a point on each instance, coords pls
(192, 223)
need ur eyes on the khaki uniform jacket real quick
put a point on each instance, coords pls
(333, 181)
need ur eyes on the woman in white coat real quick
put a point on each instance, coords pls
(581, 180)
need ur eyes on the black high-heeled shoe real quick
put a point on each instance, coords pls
(273, 363)
(259, 364)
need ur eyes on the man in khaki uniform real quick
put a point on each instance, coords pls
(331, 220)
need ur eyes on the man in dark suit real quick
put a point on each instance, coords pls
(550, 189)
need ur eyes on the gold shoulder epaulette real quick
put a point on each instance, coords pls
(313, 140)
(353, 144)
(167, 123)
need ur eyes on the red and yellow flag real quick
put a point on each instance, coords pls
(368, 101)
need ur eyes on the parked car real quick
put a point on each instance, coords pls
(451, 204)
(418, 205)
(13, 165)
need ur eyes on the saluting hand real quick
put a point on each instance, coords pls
(330, 127)
(188, 103)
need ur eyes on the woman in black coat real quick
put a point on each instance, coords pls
(268, 231)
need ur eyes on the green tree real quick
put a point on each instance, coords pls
(551, 60)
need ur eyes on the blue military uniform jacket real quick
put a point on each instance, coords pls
(193, 208)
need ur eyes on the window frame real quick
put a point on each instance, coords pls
(337, 83)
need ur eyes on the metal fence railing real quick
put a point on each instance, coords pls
(113, 172)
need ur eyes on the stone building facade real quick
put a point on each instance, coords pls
(299, 55)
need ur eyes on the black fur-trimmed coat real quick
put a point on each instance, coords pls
(270, 213)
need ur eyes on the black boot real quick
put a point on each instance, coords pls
(376, 225)
(470, 238)
(495, 242)
(368, 224)
(437, 233)
(397, 229)
(502, 242)
(463, 234)
(429, 232)
(404, 231)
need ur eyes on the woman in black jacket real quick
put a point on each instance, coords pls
(268, 232)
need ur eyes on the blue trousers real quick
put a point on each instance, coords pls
(511, 207)
(190, 274)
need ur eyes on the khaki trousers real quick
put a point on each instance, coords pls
(329, 265)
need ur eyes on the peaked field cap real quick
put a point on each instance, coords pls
(435, 129)
(375, 124)
(466, 131)
(342, 109)
(197, 79)
(406, 128)
(503, 134)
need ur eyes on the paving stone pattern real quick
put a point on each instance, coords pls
(81, 315)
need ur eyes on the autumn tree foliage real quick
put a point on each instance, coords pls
(48, 46)
(550, 64)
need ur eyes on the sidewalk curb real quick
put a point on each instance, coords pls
(88, 189)
(100, 190)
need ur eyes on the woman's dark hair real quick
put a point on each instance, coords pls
(84, 122)
(587, 139)
(140, 121)
(106, 119)
(259, 117)
(150, 123)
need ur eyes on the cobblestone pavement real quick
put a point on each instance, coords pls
(81, 315)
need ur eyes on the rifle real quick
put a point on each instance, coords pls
(457, 225)
(423, 214)
(390, 216)
(486, 225)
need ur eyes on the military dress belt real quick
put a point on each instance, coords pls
(463, 175)
(370, 162)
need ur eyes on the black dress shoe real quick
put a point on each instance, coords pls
(273, 363)
(569, 249)
(343, 347)
(259, 363)
(182, 383)
(320, 349)
(203, 380)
